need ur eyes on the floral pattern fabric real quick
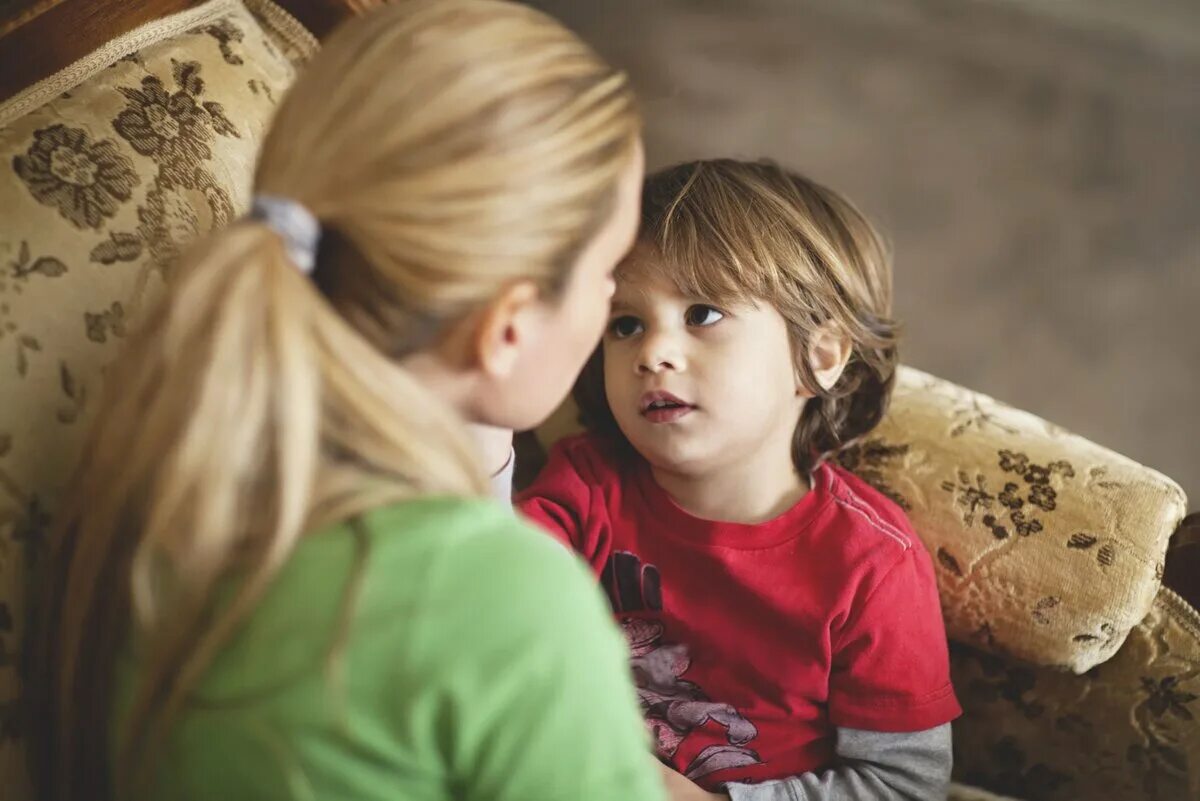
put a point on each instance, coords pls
(85, 181)
(102, 186)
(1047, 547)
(1125, 730)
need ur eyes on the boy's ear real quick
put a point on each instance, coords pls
(828, 353)
(503, 327)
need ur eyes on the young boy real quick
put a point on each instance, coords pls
(786, 636)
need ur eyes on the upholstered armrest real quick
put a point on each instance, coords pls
(107, 170)
(1048, 547)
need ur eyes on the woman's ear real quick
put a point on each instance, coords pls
(828, 353)
(503, 328)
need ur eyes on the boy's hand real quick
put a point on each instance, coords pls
(495, 446)
(681, 788)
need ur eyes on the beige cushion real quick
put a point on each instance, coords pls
(107, 170)
(1047, 547)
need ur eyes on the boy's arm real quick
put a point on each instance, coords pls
(890, 697)
(891, 671)
(891, 665)
(887, 766)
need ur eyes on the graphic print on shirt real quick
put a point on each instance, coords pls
(673, 707)
(631, 586)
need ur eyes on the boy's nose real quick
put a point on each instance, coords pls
(658, 354)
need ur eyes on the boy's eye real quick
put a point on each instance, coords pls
(703, 315)
(625, 326)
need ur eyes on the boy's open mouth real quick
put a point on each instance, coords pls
(663, 407)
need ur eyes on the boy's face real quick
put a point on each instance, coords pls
(696, 387)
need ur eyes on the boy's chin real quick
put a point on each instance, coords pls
(679, 457)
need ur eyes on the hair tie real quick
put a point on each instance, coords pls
(295, 225)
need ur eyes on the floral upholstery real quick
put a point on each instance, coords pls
(106, 171)
(1048, 548)
(1124, 731)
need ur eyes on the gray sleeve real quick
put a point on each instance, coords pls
(502, 482)
(880, 766)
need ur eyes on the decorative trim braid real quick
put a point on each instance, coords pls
(42, 92)
(284, 25)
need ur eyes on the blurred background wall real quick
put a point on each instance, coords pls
(1035, 164)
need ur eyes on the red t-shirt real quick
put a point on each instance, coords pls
(751, 643)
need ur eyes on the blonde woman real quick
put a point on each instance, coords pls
(279, 577)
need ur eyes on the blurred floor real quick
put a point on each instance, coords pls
(1038, 175)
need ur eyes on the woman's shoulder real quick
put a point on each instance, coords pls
(414, 583)
(455, 583)
(458, 532)
(470, 555)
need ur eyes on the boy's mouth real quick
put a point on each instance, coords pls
(663, 407)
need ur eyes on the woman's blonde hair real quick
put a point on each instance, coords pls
(734, 231)
(448, 148)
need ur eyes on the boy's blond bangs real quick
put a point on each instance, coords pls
(743, 232)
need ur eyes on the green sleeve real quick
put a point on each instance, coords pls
(537, 698)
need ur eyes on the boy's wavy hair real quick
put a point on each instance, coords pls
(733, 231)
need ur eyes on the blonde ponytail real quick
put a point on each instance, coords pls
(447, 147)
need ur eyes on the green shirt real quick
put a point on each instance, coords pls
(480, 662)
